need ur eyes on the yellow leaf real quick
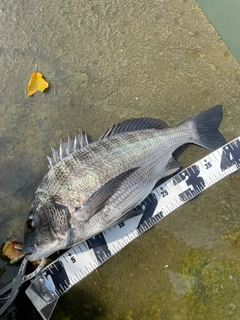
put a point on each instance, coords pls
(36, 83)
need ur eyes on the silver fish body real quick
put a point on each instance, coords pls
(97, 185)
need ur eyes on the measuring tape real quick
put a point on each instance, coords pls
(80, 260)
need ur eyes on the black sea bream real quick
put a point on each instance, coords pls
(91, 188)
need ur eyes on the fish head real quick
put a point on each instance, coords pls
(47, 230)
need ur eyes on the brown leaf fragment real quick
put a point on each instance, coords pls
(9, 249)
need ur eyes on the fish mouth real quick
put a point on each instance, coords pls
(29, 249)
(33, 252)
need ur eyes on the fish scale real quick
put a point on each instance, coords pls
(109, 165)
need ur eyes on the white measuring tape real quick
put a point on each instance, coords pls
(80, 260)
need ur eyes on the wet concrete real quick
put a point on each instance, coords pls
(108, 61)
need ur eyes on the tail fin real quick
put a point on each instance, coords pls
(206, 128)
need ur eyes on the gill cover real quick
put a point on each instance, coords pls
(47, 229)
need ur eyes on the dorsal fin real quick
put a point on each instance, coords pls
(134, 125)
(66, 148)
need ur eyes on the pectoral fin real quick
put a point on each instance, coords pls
(98, 199)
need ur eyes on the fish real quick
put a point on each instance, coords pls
(93, 186)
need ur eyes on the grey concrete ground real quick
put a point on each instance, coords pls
(107, 61)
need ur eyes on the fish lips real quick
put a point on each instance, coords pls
(33, 252)
(29, 249)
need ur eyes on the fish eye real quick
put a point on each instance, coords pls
(30, 225)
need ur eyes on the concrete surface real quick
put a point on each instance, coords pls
(107, 61)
